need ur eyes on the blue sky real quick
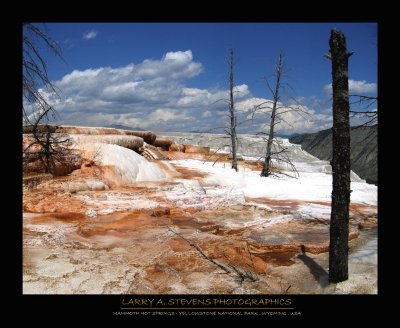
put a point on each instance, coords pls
(169, 76)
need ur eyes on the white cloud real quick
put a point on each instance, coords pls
(294, 118)
(207, 113)
(153, 95)
(356, 87)
(165, 114)
(250, 103)
(361, 87)
(242, 91)
(89, 34)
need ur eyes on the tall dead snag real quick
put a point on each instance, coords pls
(266, 167)
(339, 227)
(232, 114)
(276, 111)
(50, 148)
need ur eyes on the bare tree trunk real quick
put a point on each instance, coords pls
(339, 226)
(232, 114)
(266, 167)
(53, 148)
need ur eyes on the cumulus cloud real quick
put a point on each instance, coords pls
(154, 95)
(166, 114)
(88, 35)
(291, 117)
(361, 87)
(207, 113)
(356, 87)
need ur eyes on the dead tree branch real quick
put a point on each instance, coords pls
(36, 107)
(232, 114)
(233, 272)
(219, 265)
(276, 110)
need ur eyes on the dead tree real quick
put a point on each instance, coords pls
(339, 226)
(49, 148)
(276, 110)
(232, 114)
(37, 112)
(35, 106)
(267, 162)
(229, 130)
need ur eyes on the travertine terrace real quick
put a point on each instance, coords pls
(145, 216)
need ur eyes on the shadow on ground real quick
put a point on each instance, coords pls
(316, 270)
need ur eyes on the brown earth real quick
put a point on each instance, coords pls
(151, 243)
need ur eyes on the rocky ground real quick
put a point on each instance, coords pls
(185, 234)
